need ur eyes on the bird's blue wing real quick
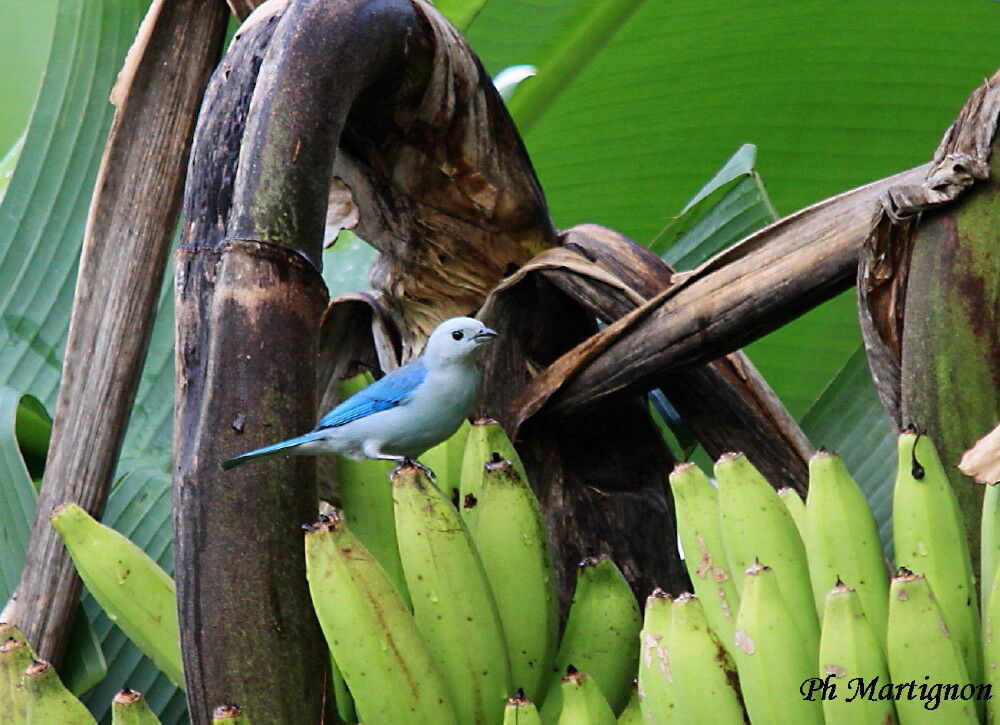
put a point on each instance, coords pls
(385, 393)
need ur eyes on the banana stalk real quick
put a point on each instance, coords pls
(452, 602)
(657, 690)
(842, 542)
(513, 546)
(485, 442)
(582, 701)
(229, 715)
(130, 708)
(923, 656)
(703, 672)
(756, 526)
(135, 592)
(601, 636)
(520, 711)
(930, 539)
(366, 501)
(697, 503)
(796, 507)
(370, 631)
(48, 701)
(773, 658)
(850, 652)
(15, 656)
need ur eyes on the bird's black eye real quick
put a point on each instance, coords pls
(457, 335)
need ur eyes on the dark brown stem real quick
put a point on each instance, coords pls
(132, 219)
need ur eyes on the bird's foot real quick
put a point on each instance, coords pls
(421, 466)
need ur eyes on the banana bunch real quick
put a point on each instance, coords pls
(467, 631)
(795, 617)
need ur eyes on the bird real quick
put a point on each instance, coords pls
(401, 415)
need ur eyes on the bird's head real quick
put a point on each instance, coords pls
(458, 339)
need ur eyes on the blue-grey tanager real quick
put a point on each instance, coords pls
(398, 417)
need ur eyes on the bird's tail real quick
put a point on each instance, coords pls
(271, 450)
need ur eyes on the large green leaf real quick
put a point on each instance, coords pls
(25, 35)
(833, 94)
(849, 419)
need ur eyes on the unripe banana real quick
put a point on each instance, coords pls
(343, 700)
(697, 504)
(922, 653)
(991, 648)
(632, 714)
(582, 701)
(131, 588)
(130, 708)
(842, 541)
(370, 632)
(15, 656)
(601, 636)
(366, 501)
(485, 442)
(445, 459)
(772, 657)
(849, 652)
(756, 526)
(513, 545)
(796, 507)
(929, 538)
(704, 674)
(989, 543)
(452, 602)
(48, 701)
(520, 711)
(229, 715)
(658, 698)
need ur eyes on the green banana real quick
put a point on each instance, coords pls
(929, 538)
(131, 588)
(452, 602)
(989, 542)
(703, 672)
(15, 656)
(991, 647)
(922, 654)
(342, 699)
(48, 700)
(445, 459)
(513, 546)
(772, 657)
(485, 442)
(842, 541)
(366, 501)
(370, 631)
(796, 507)
(520, 711)
(756, 526)
(229, 715)
(601, 636)
(582, 701)
(657, 690)
(130, 708)
(632, 714)
(850, 651)
(697, 504)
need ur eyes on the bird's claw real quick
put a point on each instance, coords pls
(421, 466)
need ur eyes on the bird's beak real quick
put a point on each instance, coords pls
(485, 335)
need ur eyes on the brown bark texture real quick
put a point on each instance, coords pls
(129, 228)
(929, 295)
